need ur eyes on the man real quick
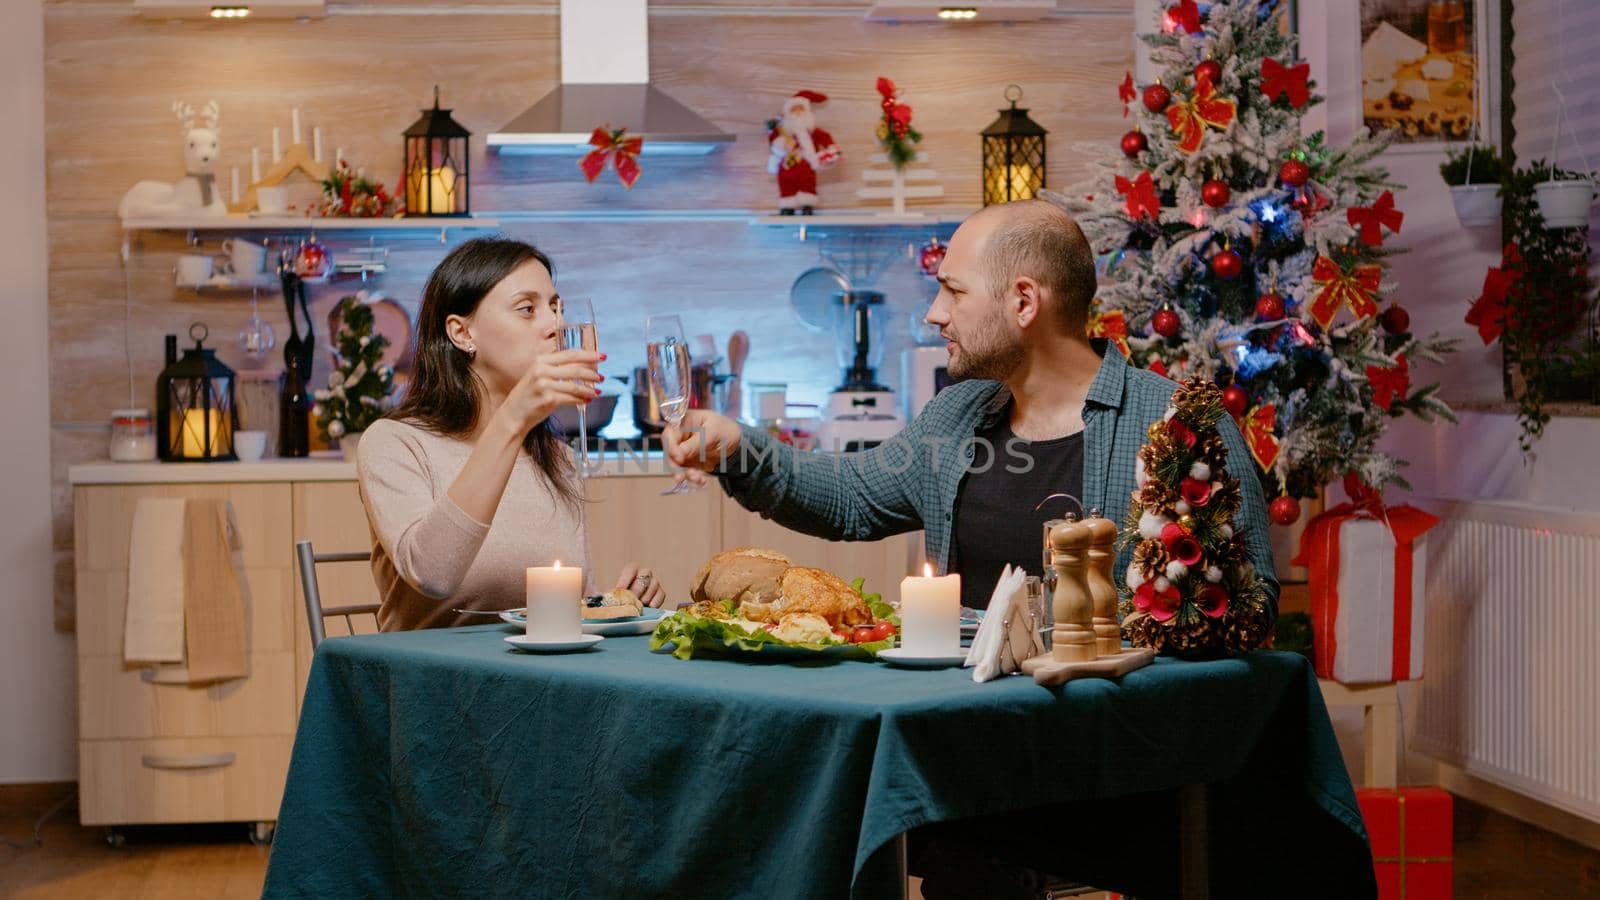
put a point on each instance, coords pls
(1043, 411)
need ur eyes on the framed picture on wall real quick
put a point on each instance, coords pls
(1429, 70)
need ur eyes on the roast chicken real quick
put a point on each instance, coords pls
(766, 587)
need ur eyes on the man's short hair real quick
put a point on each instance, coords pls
(1037, 239)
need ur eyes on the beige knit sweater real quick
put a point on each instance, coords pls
(429, 556)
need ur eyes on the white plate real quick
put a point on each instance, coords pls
(900, 657)
(640, 624)
(523, 642)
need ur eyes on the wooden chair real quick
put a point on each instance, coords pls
(315, 611)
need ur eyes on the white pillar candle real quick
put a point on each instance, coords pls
(235, 184)
(316, 143)
(930, 614)
(338, 157)
(277, 149)
(554, 595)
(255, 165)
(294, 125)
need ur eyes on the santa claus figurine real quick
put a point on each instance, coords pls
(799, 150)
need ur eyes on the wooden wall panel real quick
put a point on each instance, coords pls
(363, 72)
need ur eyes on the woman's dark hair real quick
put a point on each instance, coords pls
(443, 395)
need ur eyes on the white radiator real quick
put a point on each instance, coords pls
(1511, 689)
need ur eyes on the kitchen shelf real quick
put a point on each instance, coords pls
(196, 224)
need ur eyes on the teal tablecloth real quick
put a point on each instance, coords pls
(441, 763)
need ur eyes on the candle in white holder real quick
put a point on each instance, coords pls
(294, 125)
(338, 154)
(277, 150)
(930, 614)
(235, 184)
(316, 143)
(255, 165)
(554, 595)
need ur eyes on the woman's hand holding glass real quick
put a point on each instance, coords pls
(558, 378)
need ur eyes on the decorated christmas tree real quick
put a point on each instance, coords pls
(1235, 247)
(360, 385)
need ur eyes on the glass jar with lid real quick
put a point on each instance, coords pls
(133, 437)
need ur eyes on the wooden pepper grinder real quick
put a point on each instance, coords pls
(1073, 637)
(1103, 538)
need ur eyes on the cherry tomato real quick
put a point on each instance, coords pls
(883, 630)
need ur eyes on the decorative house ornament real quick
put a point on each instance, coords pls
(1013, 154)
(195, 411)
(197, 193)
(436, 164)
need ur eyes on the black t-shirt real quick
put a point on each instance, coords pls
(995, 521)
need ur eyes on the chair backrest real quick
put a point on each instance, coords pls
(315, 611)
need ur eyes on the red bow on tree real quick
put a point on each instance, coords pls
(1190, 117)
(1354, 288)
(1277, 78)
(1113, 326)
(1387, 384)
(1373, 219)
(1260, 437)
(616, 146)
(1488, 312)
(1126, 93)
(1141, 194)
(1186, 15)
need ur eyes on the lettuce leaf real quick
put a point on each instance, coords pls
(689, 633)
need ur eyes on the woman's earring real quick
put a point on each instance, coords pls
(471, 352)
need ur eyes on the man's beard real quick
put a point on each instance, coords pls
(990, 353)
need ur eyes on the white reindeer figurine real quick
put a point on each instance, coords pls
(197, 193)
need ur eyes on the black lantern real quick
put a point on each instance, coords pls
(436, 164)
(1013, 154)
(195, 412)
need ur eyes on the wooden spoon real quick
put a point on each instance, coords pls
(738, 351)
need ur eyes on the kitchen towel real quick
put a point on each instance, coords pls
(213, 602)
(153, 627)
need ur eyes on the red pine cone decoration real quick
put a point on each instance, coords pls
(1156, 97)
(1134, 143)
(1166, 323)
(1395, 320)
(1227, 265)
(1235, 400)
(1215, 193)
(1269, 307)
(1285, 510)
(1294, 172)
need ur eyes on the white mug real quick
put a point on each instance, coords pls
(245, 257)
(272, 201)
(250, 445)
(194, 269)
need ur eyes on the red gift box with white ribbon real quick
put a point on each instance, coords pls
(1367, 567)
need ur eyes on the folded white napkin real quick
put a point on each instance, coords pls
(1007, 636)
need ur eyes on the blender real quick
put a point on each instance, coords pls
(861, 413)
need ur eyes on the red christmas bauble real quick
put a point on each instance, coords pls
(1395, 320)
(1210, 70)
(1285, 510)
(1134, 143)
(930, 256)
(1156, 97)
(1294, 172)
(1235, 400)
(1269, 307)
(1166, 323)
(1227, 265)
(1215, 193)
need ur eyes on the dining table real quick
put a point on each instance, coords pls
(447, 763)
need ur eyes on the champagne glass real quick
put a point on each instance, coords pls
(667, 357)
(578, 333)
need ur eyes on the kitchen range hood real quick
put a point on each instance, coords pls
(605, 80)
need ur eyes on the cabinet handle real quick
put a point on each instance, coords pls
(197, 761)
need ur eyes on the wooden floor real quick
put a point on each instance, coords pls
(1497, 858)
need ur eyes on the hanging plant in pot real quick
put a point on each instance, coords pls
(1474, 174)
(1565, 198)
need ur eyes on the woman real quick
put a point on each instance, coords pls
(466, 483)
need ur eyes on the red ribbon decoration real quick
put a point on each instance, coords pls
(1141, 194)
(1190, 117)
(1488, 312)
(1186, 15)
(1355, 288)
(617, 147)
(1260, 435)
(1319, 552)
(1387, 384)
(1277, 78)
(1126, 93)
(1373, 219)
(1113, 326)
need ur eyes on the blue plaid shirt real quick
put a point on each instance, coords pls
(911, 481)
